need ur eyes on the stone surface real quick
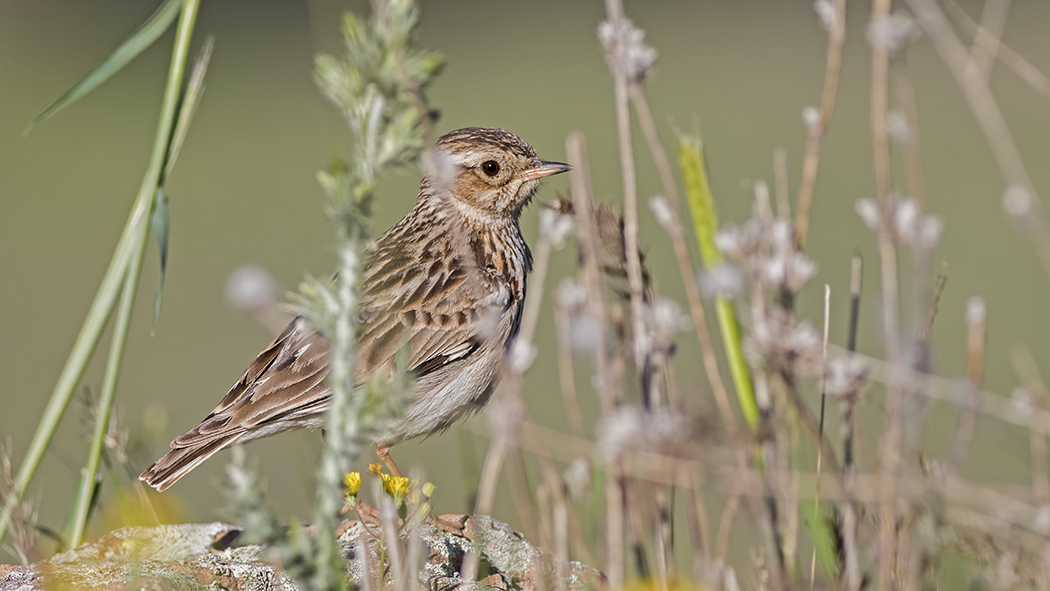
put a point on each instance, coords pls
(197, 556)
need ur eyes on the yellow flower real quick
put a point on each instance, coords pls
(352, 482)
(376, 469)
(396, 486)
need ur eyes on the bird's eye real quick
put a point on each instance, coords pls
(491, 167)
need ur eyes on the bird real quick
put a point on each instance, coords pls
(447, 284)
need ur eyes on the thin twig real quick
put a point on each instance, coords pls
(696, 511)
(975, 326)
(849, 509)
(814, 133)
(891, 441)
(905, 95)
(392, 546)
(364, 564)
(823, 401)
(560, 525)
(1017, 63)
(988, 37)
(490, 471)
(725, 527)
(614, 15)
(1035, 386)
(1019, 197)
(809, 422)
(590, 272)
(938, 291)
(681, 251)
(566, 374)
(780, 184)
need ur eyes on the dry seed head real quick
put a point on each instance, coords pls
(723, 281)
(555, 227)
(1021, 399)
(828, 14)
(811, 117)
(906, 217)
(664, 320)
(661, 211)
(630, 428)
(868, 211)
(1017, 201)
(743, 243)
(584, 333)
(443, 170)
(782, 237)
(778, 345)
(897, 126)
(790, 270)
(730, 241)
(930, 232)
(522, 354)
(845, 376)
(914, 228)
(976, 311)
(625, 48)
(1041, 523)
(251, 287)
(577, 478)
(571, 295)
(504, 417)
(893, 33)
(488, 321)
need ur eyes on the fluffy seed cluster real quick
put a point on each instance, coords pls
(893, 33)
(625, 48)
(781, 345)
(905, 220)
(766, 251)
(664, 320)
(846, 376)
(631, 428)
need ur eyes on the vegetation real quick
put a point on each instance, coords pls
(618, 496)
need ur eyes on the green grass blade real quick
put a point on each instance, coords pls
(88, 479)
(132, 241)
(142, 38)
(160, 224)
(160, 221)
(191, 98)
(705, 223)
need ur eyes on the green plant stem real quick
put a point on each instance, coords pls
(738, 369)
(132, 241)
(89, 477)
(705, 223)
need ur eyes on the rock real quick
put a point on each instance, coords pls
(198, 556)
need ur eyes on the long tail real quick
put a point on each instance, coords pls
(181, 459)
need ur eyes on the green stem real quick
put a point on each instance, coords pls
(705, 223)
(738, 368)
(132, 241)
(89, 478)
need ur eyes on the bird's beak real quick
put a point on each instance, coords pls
(545, 168)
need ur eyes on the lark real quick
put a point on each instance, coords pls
(447, 283)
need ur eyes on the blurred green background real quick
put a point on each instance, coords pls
(244, 191)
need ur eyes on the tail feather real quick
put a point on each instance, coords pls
(179, 461)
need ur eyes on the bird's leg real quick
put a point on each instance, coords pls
(384, 456)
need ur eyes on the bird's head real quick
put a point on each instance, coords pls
(491, 170)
